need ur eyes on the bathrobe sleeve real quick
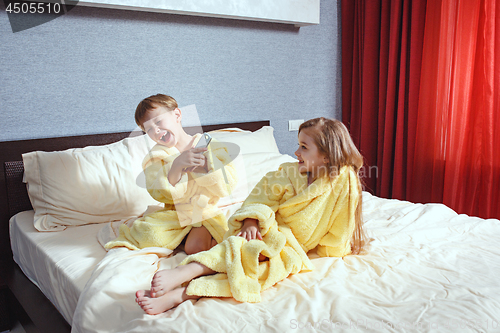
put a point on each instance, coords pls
(156, 166)
(221, 177)
(263, 202)
(337, 241)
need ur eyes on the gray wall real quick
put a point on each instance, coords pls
(85, 72)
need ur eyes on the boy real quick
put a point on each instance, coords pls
(188, 180)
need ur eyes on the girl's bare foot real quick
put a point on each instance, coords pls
(165, 281)
(168, 279)
(156, 305)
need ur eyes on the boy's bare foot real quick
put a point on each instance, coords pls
(156, 305)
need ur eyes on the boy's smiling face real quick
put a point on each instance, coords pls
(163, 126)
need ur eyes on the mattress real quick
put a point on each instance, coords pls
(59, 263)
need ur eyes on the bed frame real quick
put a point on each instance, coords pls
(21, 300)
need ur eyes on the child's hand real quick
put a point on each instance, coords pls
(191, 159)
(250, 230)
(188, 161)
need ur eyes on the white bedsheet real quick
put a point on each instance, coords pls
(59, 263)
(426, 269)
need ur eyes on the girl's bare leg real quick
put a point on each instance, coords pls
(156, 305)
(168, 279)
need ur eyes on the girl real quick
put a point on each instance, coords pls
(186, 179)
(314, 203)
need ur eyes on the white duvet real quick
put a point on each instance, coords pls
(426, 269)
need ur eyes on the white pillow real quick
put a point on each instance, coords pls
(80, 186)
(260, 141)
(258, 154)
(98, 184)
(250, 169)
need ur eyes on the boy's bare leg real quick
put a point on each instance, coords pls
(168, 279)
(156, 305)
(198, 240)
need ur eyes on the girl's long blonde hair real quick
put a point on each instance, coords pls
(334, 141)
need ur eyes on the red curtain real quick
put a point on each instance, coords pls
(420, 89)
(457, 151)
(381, 59)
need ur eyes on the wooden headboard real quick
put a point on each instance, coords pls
(13, 194)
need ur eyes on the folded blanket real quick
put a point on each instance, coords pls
(190, 203)
(293, 218)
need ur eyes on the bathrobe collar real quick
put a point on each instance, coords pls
(320, 186)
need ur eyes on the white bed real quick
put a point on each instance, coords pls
(426, 269)
(59, 263)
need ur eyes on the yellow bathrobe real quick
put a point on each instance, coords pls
(190, 203)
(293, 218)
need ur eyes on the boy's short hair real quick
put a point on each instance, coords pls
(150, 103)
